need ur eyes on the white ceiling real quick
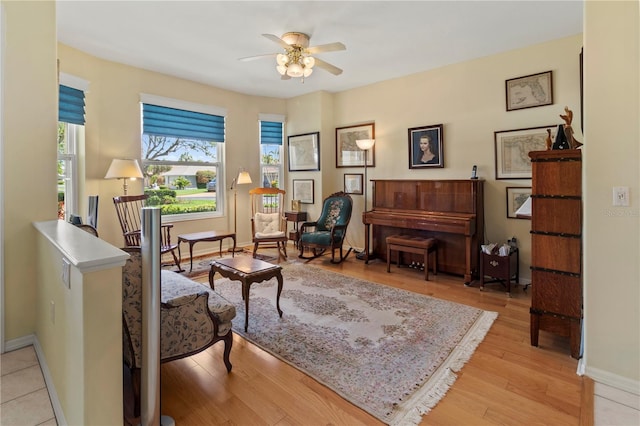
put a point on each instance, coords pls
(202, 40)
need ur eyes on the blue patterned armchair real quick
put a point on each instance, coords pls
(192, 318)
(329, 231)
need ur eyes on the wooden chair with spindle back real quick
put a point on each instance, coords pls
(129, 210)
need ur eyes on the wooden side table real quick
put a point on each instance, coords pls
(197, 237)
(295, 217)
(501, 268)
(248, 271)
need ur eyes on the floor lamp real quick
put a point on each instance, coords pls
(365, 145)
(125, 169)
(242, 178)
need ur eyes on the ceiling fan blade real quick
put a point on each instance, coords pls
(278, 40)
(331, 47)
(251, 58)
(328, 67)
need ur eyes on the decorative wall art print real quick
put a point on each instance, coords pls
(303, 190)
(512, 150)
(426, 147)
(353, 183)
(529, 91)
(347, 152)
(304, 152)
(516, 197)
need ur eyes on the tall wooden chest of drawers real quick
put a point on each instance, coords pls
(556, 245)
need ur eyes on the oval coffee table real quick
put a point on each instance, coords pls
(247, 270)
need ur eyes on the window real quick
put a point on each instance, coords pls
(271, 170)
(182, 157)
(70, 135)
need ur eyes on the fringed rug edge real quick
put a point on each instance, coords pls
(428, 396)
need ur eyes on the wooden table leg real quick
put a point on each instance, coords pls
(279, 277)
(212, 272)
(245, 296)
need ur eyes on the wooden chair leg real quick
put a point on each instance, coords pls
(228, 342)
(177, 260)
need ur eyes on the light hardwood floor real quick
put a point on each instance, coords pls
(506, 382)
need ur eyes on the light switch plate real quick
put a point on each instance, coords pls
(621, 196)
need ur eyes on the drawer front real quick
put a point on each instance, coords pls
(557, 253)
(557, 215)
(499, 266)
(557, 178)
(557, 293)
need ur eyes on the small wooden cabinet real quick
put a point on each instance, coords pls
(556, 245)
(501, 268)
(295, 217)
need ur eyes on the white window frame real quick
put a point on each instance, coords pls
(74, 133)
(220, 164)
(280, 166)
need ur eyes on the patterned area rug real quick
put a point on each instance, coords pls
(391, 352)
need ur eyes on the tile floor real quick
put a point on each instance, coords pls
(614, 407)
(23, 393)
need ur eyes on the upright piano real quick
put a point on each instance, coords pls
(452, 211)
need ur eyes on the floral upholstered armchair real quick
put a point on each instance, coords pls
(192, 318)
(329, 231)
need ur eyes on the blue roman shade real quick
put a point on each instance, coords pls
(271, 132)
(71, 105)
(179, 123)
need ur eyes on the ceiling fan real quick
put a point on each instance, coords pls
(296, 61)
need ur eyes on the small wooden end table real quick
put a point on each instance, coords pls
(295, 217)
(196, 237)
(247, 270)
(501, 268)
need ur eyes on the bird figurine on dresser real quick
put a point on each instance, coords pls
(568, 130)
(547, 141)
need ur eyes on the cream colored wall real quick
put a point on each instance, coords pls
(305, 114)
(611, 158)
(80, 332)
(113, 130)
(469, 99)
(29, 125)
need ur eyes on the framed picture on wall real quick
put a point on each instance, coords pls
(513, 147)
(304, 152)
(516, 197)
(353, 183)
(426, 147)
(347, 152)
(303, 190)
(529, 91)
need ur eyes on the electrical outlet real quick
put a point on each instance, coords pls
(66, 272)
(621, 196)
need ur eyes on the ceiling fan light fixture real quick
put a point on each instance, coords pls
(307, 72)
(308, 61)
(295, 70)
(281, 69)
(282, 59)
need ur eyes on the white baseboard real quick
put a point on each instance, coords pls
(19, 343)
(48, 380)
(613, 380)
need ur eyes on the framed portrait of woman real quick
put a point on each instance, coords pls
(426, 147)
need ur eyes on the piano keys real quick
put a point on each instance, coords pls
(451, 211)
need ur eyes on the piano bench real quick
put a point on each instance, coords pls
(413, 244)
